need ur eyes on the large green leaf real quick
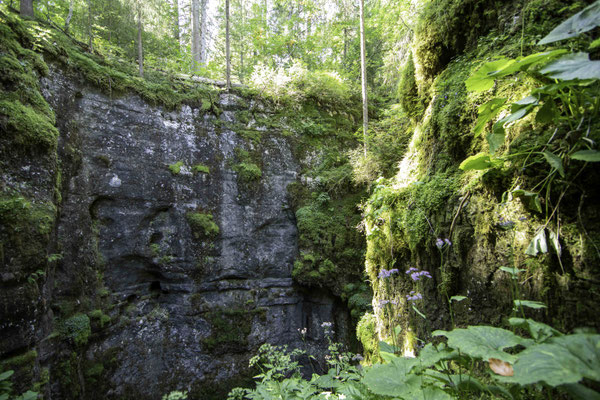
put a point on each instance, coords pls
(432, 354)
(393, 379)
(563, 360)
(484, 342)
(573, 66)
(487, 112)
(525, 63)
(539, 331)
(428, 393)
(586, 155)
(495, 140)
(481, 79)
(583, 21)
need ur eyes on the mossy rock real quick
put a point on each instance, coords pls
(202, 225)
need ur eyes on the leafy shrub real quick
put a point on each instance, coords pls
(248, 172)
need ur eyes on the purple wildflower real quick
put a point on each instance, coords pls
(439, 243)
(386, 274)
(382, 303)
(448, 242)
(417, 275)
(414, 297)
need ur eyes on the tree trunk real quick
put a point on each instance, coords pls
(227, 49)
(27, 8)
(195, 34)
(203, 49)
(69, 16)
(363, 70)
(90, 37)
(139, 37)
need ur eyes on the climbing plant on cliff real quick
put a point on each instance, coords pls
(566, 104)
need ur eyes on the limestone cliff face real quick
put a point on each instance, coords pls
(148, 295)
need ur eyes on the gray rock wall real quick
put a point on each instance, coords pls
(186, 309)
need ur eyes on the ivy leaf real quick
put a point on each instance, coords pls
(555, 162)
(539, 331)
(483, 342)
(481, 79)
(487, 112)
(573, 66)
(536, 305)
(538, 244)
(586, 155)
(584, 21)
(479, 161)
(563, 360)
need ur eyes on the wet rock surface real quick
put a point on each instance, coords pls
(187, 308)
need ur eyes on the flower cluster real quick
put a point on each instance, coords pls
(302, 332)
(386, 274)
(383, 303)
(506, 224)
(416, 275)
(440, 243)
(327, 327)
(413, 296)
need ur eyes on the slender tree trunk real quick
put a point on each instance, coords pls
(345, 55)
(195, 34)
(69, 16)
(363, 69)
(227, 49)
(26, 8)
(139, 37)
(90, 37)
(203, 44)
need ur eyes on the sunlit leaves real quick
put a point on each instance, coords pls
(481, 79)
(487, 112)
(573, 66)
(536, 305)
(481, 161)
(583, 21)
(531, 200)
(393, 379)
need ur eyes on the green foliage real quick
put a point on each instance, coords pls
(76, 328)
(366, 333)
(248, 172)
(6, 388)
(202, 224)
(176, 168)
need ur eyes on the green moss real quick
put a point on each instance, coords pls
(99, 316)
(248, 172)
(202, 224)
(26, 126)
(25, 360)
(176, 168)
(77, 329)
(230, 329)
(201, 169)
(366, 333)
